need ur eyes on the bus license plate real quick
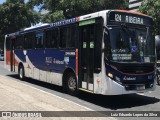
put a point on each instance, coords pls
(142, 87)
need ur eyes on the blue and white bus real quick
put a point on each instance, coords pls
(110, 52)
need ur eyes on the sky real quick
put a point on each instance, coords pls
(2, 1)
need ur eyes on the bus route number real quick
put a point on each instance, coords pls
(118, 17)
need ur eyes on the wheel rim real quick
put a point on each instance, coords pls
(72, 83)
(21, 73)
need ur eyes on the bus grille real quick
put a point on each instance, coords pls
(137, 69)
(135, 86)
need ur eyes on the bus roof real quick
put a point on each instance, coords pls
(131, 11)
(68, 21)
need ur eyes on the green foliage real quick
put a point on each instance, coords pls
(32, 3)
(73, 8)
(53, 17)
(152, 8)
(14, 15)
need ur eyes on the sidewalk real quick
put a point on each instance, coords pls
(16, 96)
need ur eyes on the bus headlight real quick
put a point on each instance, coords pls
(110, 75)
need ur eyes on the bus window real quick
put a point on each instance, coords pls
(39, 40)
(28, 41)
(19, 42)
(48, 38)
(68, 37)
(63, 37)
(71, 37)
(8, 43)
(51, 39)
(97, 47)
(55, 39)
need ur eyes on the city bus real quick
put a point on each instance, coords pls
(110, 52)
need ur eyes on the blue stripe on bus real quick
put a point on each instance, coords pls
(48, 60)
(20, 55)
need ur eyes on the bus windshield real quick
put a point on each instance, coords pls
(130, 45)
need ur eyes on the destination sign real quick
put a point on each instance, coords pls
(129, 18)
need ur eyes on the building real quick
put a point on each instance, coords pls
(134, 4)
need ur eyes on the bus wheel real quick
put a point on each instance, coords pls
(71, 84)
(21, 72)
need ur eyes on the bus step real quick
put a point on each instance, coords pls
(82, 89)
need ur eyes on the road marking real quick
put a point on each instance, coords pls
(140, 93)
(110, 118)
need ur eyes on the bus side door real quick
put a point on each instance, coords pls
(87, 56)
(90, 44)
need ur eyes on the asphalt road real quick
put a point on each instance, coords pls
(135, 102)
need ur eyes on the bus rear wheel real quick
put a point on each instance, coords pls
(71, 84)
(21, 72)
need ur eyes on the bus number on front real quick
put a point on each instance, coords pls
(118, 17)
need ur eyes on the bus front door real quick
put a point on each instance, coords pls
(86, 53)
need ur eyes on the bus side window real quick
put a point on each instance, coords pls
(39, 40)
(55, 39)
(68, 37)
(19, 42)
(25, 43)
(51, 39)
(63, 37)
(8, 43)
(48, 39)
(107, 45)
(28, 41)
(71, 37)
(98, 47)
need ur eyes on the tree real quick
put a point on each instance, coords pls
(14, 15)
(72, 8)
(152, 8)
(53, 17)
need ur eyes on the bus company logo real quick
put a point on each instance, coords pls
(129, 78)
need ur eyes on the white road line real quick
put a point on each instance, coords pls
(140, 93)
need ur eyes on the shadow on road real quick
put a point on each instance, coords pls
(109, 102)
(119, 101)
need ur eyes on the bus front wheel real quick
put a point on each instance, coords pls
(71, 84)
(21, 72)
